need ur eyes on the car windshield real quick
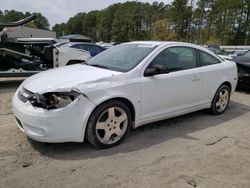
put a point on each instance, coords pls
(123, 57)
(247, 53)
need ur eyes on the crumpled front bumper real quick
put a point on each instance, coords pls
(60, 125)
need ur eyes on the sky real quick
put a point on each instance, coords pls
(58, 11)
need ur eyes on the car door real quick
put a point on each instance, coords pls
(214, 72)
(171, 92)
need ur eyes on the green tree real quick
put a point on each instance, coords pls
(40, 22)
(181, 16)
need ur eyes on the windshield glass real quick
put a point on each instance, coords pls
(123, 57)
(247, 53)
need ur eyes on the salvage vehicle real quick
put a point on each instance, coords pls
(27, 56)
(243, 64)
(93, 49)
(102, 99)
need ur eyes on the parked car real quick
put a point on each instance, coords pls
(105, 45)
(243, 64)
(221, 53)
(27, 56)
(102, 99)
(238, 53)
(93, 49)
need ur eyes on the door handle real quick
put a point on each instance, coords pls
(195, 78)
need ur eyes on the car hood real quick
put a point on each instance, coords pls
(67, 78)
(226, 57)
(242, 60)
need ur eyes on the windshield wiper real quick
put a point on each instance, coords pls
(99, 66)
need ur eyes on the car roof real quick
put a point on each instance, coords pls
(158, 43)
(69, 44)
(74, 43)
(35, 39)
(166, 43)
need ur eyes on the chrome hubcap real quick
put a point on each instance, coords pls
(223, 100)
(111, 125)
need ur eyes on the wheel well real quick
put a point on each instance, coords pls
(228, 84)
(126, 102)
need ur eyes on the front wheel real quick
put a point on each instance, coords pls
(108, 124)
(220, 100)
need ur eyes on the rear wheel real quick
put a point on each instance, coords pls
(221, 100)
(108, 124)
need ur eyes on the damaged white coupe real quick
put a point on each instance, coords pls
(122, 88)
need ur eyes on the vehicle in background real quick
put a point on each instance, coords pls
(27, 56)
(59, 44)
(243, 64)
(213, 46)
(125, 87)
(105, 45)
(93, 49)
(238, 53)
(220, 53)
(115, 43)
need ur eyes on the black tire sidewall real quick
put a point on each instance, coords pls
(91, 126)
(213, 108)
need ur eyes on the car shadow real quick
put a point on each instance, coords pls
(144, 136)
(243, 89)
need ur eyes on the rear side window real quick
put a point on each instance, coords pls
(207, 59)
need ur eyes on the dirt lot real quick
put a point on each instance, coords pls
(195, 150)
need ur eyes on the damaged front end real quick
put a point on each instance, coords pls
(49, 100)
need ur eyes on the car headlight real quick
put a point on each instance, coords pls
(53, 100)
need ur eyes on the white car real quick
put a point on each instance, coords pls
(126, 86)
(226, 57)
(28, 56)
(37, 55)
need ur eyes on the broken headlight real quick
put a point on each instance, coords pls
(53, 100)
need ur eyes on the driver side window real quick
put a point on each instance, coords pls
(176, 59)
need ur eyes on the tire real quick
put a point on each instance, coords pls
(108, 124)
(220, 101)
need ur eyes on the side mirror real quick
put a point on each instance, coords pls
(156, 69)
(150, 72)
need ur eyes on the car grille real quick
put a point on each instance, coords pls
(24, 94)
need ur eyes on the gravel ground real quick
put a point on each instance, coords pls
(194, 150)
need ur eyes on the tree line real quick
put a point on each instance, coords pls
(197, 21)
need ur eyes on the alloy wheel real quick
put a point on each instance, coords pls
(111, 125)
(223, 99)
